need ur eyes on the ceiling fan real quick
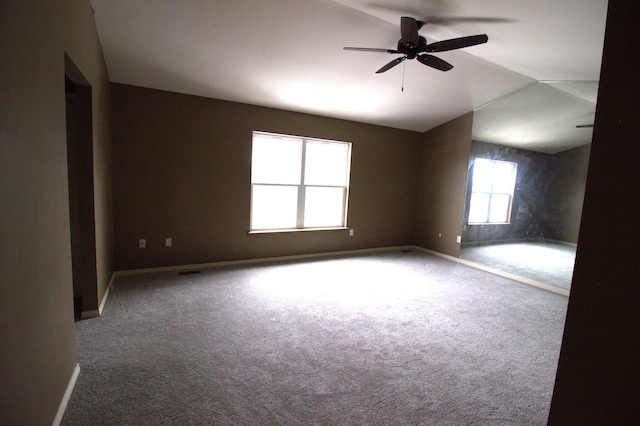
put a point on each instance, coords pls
(414, 46)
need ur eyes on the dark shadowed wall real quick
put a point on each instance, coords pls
(565, 198)
(441, 193)
(547, 200)
(182, 169)
(37, 349)
(598, 378)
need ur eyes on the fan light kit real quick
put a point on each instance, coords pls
(414, 46)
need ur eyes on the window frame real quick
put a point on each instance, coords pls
(302, 186)
(491, 193)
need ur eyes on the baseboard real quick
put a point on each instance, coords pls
(192, 267)
(517, 240)
(106, 293)
(97, 312)
(181, 268)
(562, 243)
(518, 278)
(67, 395)
(89, 314)
(496, 242)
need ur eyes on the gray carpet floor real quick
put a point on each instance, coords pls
(398, 338)
(544, 261)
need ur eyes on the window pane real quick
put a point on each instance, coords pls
(504, 177)
(492, 187)
(499, 208)
(326, 163)
(479, 208)
(323, 207)
(274, 207)
(276, 160)
(482, 175)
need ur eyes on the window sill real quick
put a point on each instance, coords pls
(281, 231)
(488, 223)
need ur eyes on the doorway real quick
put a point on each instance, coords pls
(81, 190)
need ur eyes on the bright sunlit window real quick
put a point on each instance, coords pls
(298, 183)
(492, 191)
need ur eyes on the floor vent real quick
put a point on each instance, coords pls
(188, 272)
(407, 251)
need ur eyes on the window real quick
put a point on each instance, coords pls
(298, 183)
(492, 191)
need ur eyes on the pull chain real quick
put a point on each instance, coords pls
(404, 67)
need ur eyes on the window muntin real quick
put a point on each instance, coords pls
(492, 189)
(298, 183)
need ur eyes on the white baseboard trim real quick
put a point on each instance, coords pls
(97, 312)
(518, 240)
(518, 278)
(67, 395)
(89, 314)
(193, 267)
(106, 293)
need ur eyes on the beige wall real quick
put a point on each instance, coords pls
(443, 180)
(82, 46)
(598, 370)
(182, 168)
(37, 353)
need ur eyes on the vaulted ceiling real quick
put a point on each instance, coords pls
(288, 54)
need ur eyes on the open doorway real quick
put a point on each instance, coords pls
(81, 189)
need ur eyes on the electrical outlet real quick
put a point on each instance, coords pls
(458, 239)
(351, 232)
(168, 242)
(142, 243)
(439, 234)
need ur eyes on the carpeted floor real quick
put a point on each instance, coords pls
(545, 261)
(400, 338)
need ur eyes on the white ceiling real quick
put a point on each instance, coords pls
(543, 117)
(288, 54)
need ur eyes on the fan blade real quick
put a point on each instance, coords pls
(391, 64)
(370, 49)
(434, 62)
(456, 43)
(409, 30)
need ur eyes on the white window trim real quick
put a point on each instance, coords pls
(301, 190)
(510, 194)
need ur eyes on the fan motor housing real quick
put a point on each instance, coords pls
(410, 50)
